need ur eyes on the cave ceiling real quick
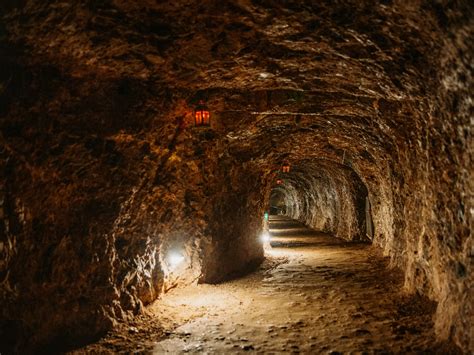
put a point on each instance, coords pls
(285, 81)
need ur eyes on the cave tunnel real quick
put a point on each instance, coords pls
(236, 176)
(326, 195)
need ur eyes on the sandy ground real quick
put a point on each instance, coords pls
(314, 294)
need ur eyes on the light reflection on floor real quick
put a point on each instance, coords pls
(321, 295)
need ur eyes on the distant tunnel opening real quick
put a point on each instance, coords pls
(326, 196)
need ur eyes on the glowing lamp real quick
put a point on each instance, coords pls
(279, 182)
(285, 168)
(265, 216)
(174, 259)
(265, 237)
(202, 116)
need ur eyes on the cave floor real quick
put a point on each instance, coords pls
(313, 294)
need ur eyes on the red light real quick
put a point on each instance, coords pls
(202, 116)
(206, 118)
(198, 118)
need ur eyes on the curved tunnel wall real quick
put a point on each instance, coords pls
(326, 196)
(99, 169)
(96, 246)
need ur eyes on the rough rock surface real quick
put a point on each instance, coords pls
(332, 199)
(102, 173)
(357, 305)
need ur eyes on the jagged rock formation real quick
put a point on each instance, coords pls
(102, 172)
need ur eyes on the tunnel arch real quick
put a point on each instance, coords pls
(276, 203)
(327, 196)
(101, 168)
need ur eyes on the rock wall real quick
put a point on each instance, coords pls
(102, 174)
(442, 261)
(92, 205)
(327, 196)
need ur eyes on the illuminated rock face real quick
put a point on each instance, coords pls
(329, 197)
(102, 174)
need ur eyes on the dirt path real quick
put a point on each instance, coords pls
(314, 294)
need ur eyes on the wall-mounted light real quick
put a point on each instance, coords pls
(174, 259)
(285, 168)
(202, 116)
(265, 237)
(279, 181)
(265, 216)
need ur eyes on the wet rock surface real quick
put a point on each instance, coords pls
(101, 172)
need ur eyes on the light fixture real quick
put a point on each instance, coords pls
(202, 116)
(265, 237)
(265, 216)
(279, 181)
(174, 259)
(285, 168)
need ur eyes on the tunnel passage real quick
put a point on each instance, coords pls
(103, 171)
(325, 195)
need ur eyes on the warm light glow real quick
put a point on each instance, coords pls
(265, 237)
(174, 259)
(285, 168)
(202, 116)
(279, 182)
(205, 117)
(198, 118)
